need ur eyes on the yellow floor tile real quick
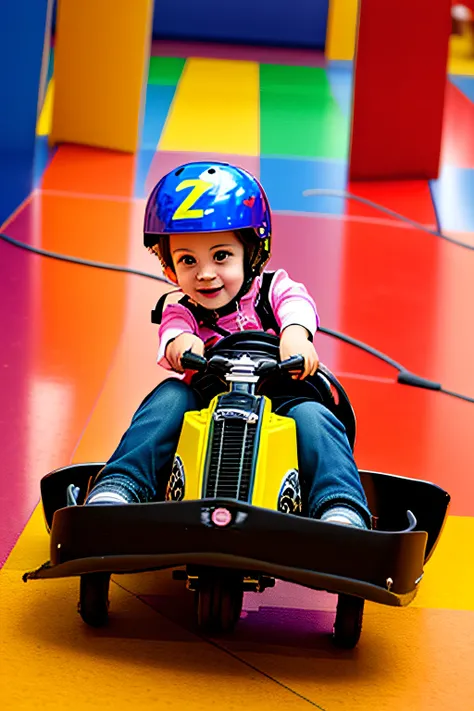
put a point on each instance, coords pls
(224, 120)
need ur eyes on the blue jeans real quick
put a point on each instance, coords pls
(139, 468)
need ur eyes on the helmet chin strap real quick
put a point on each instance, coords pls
(246, 285)
(169, 274)
(249, 277)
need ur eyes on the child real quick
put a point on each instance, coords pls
(210, 225)
(462, 16)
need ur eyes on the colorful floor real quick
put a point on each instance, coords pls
(78, 356)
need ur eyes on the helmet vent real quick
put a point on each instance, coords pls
(211, 170)
(179, 171)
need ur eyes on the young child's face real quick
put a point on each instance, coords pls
(209, 266)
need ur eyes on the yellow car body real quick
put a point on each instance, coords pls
(255, 459)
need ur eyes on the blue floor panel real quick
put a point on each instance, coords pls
(453, 194)
(43, 156)
(158, 102)
(340, 76)
(285, 179)
(464, 84)
(142, 168)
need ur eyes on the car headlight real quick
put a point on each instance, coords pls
(289, 498)
(176, 483)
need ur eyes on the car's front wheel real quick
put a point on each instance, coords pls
(348, 622)
(94, 598)
(219, 601)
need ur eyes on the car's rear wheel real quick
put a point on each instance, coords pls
(94, 598)
(348, 622)
(219, 602)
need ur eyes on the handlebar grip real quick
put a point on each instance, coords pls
(293, 363)
(193, 361)
(218, 362)
(267, 367)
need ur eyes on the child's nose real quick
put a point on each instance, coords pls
(207, 272)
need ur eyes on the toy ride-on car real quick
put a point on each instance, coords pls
(233, 519)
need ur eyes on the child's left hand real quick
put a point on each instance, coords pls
(294, 341)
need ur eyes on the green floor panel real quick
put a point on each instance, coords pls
(298, 114)
(165, 71)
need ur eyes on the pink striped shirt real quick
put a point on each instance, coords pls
(290, 302)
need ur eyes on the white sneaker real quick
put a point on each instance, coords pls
(105, 498)
(343, 516)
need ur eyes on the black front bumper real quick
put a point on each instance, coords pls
(381, 566)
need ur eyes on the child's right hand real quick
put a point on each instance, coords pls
(183, 342)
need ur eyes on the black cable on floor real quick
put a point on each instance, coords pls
(404, 375)
(324, 192)
(82, 262)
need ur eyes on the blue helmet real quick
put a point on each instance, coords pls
(209, 197)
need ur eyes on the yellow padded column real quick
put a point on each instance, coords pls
(342, 29)
(101, 63)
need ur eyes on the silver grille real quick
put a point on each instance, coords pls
(231, 456)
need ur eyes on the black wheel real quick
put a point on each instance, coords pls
(94, 598)
(348, 623)
(219, 602)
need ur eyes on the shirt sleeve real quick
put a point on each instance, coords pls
(176, 319)
(292, 304)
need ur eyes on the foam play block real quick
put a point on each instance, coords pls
(24, 51)
(101, 66)
(399, 88)
(341, 29)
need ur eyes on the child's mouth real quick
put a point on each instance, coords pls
(210, 293)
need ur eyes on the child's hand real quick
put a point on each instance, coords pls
(183, 342)
(294, 341)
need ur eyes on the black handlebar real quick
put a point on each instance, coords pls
(193, 361)
(294, 363)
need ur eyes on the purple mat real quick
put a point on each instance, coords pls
(263, 55)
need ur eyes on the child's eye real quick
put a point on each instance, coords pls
(187, 260)
(222, 255)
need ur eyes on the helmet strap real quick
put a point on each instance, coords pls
(169, 273)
